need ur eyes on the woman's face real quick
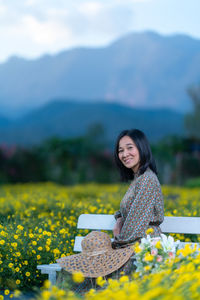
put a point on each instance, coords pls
(128, 153)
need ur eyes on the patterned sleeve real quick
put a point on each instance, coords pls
(140, 212)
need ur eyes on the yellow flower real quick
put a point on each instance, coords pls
(46, 295)
(78, 277)
(17, 293)
(20, 227)
(1, 297)
(6, 292)
(10, 265)
(187, 250)
(60, 294)
(148, 257)
(17, 269)
(15, 236)
(38, 257)
(137, 248)
(100, 281)
(48, 242)
(149, 231)
(124, 279)
(56, 251)
(147, 268)
(158, 245)
(47, 284)
(2, 242)
(40, 248)
(90, 294)
(18, 281)
(28, 274)
(34, 243)
(190, 267)
(113, 283)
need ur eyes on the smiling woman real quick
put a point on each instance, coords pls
(142, 205)
(141, 208)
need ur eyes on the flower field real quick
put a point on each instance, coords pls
(38, 225)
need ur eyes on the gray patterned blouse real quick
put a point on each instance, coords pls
(141, 207)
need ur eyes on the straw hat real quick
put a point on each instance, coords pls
(97, 257)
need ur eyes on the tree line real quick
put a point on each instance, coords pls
(89, 159)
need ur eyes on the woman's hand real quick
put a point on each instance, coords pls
(118, 226)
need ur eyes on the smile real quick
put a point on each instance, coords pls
(128, 160)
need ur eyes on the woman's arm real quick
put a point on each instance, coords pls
(118, 226)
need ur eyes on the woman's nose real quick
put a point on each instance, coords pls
(125, 152)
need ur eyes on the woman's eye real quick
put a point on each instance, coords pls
(129, 148)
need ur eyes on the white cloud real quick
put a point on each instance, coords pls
(101, 22)
(46, 32)
(3, 9)
(30, 2)
(141, 1)
(91, 9)
(34, 27)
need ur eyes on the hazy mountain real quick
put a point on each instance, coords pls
(70, 119)
(140, 69)
(4, 122)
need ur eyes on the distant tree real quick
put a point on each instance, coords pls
(192, 119)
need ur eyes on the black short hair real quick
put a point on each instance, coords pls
(143, 146)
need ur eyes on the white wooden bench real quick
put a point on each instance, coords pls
(186, 225)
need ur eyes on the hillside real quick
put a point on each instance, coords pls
(71, 119)
(4, 122)
(140, 69)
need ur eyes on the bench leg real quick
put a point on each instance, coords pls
(52, 277)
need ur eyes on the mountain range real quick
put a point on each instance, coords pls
(73, 119)
(140, 70)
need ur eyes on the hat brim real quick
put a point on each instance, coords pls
(96, 265)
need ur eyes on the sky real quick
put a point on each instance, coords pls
(32, 28)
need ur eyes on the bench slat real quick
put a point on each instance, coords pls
(190, 225)
(52, 267)
(170, 225)
(94, 221)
